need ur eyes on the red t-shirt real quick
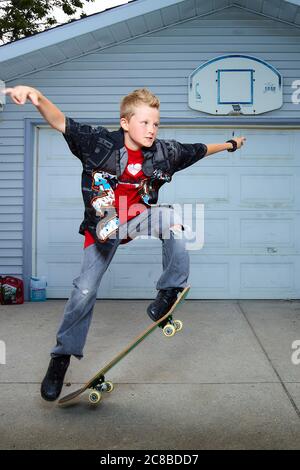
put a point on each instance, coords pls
(128, 202)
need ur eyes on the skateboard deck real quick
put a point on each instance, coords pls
(98, 383)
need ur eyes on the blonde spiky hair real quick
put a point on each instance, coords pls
(136, 98)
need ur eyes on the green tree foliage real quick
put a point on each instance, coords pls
(22, 18)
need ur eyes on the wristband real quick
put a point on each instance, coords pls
(234, 145)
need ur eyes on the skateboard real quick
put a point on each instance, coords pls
(98, 383)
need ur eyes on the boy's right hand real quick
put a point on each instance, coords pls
(19, 94)
(51, 113)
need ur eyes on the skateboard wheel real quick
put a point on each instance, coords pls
(178, 325)
(94, 397)
(169, 330)
(108, 387)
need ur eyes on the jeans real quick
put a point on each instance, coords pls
(156, 221)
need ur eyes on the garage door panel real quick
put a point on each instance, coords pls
(255, 232)
(276, 147)
(208, 275)
(270, 232)
(267, 275)
(54, 150)
(245, 277)
(58, 233)
(209, 187)
(60, 275)
(59, 187)
(246, 188)
(143, 277)
(277, 279)
(61, 228)
(260, 189)
(217, 231)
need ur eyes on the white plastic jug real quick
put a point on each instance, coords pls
(38, 289)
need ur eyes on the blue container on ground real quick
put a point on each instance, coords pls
(38, 289)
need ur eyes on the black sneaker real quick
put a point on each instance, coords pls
(54, 378)
(163, 303)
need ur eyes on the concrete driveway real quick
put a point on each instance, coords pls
(227, 381)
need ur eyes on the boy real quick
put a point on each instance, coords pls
(122, 173)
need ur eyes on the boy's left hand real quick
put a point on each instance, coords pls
(239, 141)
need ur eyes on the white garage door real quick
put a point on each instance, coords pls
(251, 206)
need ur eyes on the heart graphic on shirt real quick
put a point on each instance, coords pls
(133, 169)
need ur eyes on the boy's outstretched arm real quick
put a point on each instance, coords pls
(214, 148)
(20, 94)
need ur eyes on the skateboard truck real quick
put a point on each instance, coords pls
(170, 326)
(97, 387)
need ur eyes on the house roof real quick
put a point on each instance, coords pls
(120, 24)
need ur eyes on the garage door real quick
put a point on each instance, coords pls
(251, 209)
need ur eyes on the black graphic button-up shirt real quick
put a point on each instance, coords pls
(104, 158)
